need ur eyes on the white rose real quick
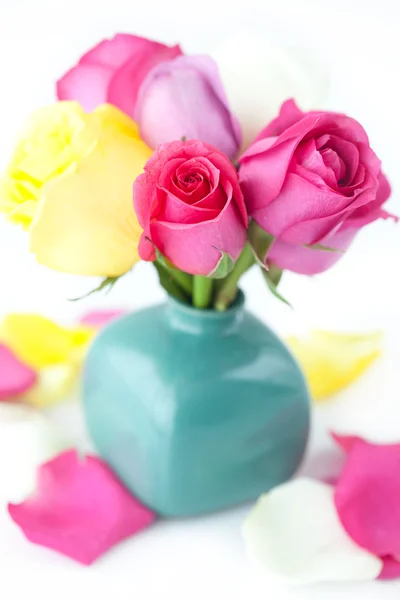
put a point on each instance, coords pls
(259, 74)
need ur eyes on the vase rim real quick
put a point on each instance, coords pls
(209, 313)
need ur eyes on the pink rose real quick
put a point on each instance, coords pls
(312, 178)
(113, 71)
(190, 205)
(184, 97)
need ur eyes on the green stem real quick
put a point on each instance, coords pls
(169, 284)
(184, 280)
(229, 287)
(202, 291)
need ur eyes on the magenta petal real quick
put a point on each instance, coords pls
(88, 84)
(99, 318)
(391, 568)
(307, 261)
(184, 97)
(15, 376)
(367, 497)
(80, 508)
(181, 243)
(346, 442)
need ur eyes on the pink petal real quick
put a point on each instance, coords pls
(196, 248)
(391, 568)
(184, 97)
(367, 497)
(100, 318)
(86, 83)
(80, 508)
(15, 376)
(307, 261)
(128, 79)
(116, 51)
(113, 71)
(346, 442)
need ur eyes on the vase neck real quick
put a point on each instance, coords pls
(193, 320)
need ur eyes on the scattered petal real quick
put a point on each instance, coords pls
(27, 439)
(294, 534)
(367, 497)
(40, 342)
(391, 568)
(80, 508)
(55, 352)
(15, 376)
(99, 318)
(54, 383)
(346, 442)
(331, 361)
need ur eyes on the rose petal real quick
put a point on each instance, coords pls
(15, 376)
(113, 71)
(184, 97)
(104, 240)
(367, 497)
(331, 361)
(309, 261)
(183, 241)
(40, 342)
(80, 508)
(99, 318)
(27, 439)
(54, 384)
(346, 442)
(259, 75)
(86, 83)
(294, 533)
(391, 568)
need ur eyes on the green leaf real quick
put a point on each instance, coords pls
(169, 284)
(224, 267)
(324, 248)
(107, 284)
(270, 280)
(260, 242)
(184, 280)
(274, 274)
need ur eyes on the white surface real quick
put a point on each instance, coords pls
(204, 558)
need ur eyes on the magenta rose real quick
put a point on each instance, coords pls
(191, 208)
(312, 179)
(184, 97)
(113, 72)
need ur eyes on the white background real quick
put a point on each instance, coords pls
(359, 41)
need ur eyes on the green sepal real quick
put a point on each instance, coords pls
(261, 242)
(169, 284)
(272, 278)
(107, 284)
(224, 266)
(322, 247)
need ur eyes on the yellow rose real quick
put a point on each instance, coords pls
(70, 182)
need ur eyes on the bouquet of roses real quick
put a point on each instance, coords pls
(142, 158)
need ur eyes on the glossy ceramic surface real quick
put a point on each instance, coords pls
(195, 410)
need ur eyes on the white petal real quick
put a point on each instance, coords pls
(259, 74)
(27, 440)
(293, 533)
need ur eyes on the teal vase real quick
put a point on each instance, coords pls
(195, 410)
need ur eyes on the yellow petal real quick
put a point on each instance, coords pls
(112, 118)
(54, 384)
(40, 342)
(86, 223)
(331, 361)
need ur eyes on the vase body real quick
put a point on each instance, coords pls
(195, 410)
